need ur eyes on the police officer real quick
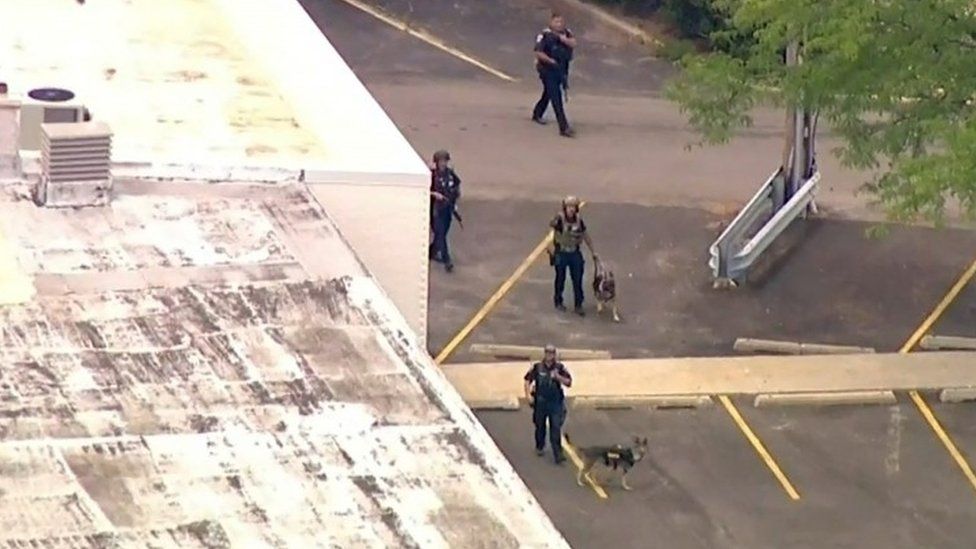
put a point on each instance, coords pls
(544, 384)
(445, 190)
(553, 52)
(568, 231)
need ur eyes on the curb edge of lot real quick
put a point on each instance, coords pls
(511, 404)
(831, 398)
(630, 402)
(955, 395)
(621, 24)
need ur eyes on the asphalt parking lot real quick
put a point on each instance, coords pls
(631, 144)
(499, 33)
(835, 285)
(959, 318)
(868, 477)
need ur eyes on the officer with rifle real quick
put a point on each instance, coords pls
(445, 190)
(553, 52)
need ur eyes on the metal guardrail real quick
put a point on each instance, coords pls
(732, 255)
(758, 205)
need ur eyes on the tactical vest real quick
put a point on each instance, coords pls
(547, 389)
(445, 183)
(568, 235)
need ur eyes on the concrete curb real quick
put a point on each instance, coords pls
(627, 27)
(825, 398)
(748, 345)
(631, 402)
(502, 404)
(957, 394)
(937, 342)
(534, 352)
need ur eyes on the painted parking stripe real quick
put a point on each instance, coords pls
(429, 39)
(759, 447)
(574, 457)
(927, 413)
(495, 298)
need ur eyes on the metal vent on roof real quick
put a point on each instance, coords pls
(76, 165)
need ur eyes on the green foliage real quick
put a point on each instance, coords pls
(676, 49)
(710, 20)
(695, 18)
(893, 79)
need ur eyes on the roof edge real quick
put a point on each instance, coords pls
(296, 55)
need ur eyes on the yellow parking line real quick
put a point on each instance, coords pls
(920, 403)
(504, 289)
(759, 447)
(495, 298)
(950, 446)
(492, 301)
(939, 309)
(429, 39)
(574, 457)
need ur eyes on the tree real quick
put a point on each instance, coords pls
(895, 80)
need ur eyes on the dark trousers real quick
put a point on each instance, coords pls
(441, 219)
(552, 91)
(573, 261)
(554, 415)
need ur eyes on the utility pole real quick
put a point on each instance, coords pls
(798, 141)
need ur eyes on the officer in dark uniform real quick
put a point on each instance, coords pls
(568, 232)
(553, 52)
(544, 384)
(445, 190)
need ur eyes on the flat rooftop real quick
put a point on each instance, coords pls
(180, 372)
(215, 82)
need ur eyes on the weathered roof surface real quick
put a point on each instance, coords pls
(209, 366)
(212, 82)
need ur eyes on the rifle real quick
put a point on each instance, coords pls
(457, 215)
(566, 85)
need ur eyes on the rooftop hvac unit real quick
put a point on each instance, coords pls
(76, 165)
(46, 106)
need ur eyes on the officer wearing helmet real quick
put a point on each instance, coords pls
(445, 190)
(568, 232)
(544, 384)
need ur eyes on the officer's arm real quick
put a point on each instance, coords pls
(540, 51)
(568, 39)
(588, 241)
(541, 56)
(529, 381)
(563, 376)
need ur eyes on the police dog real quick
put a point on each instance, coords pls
(613, 457)
(605, 289)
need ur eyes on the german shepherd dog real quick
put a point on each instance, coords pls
(613, 457)
(605, 289)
